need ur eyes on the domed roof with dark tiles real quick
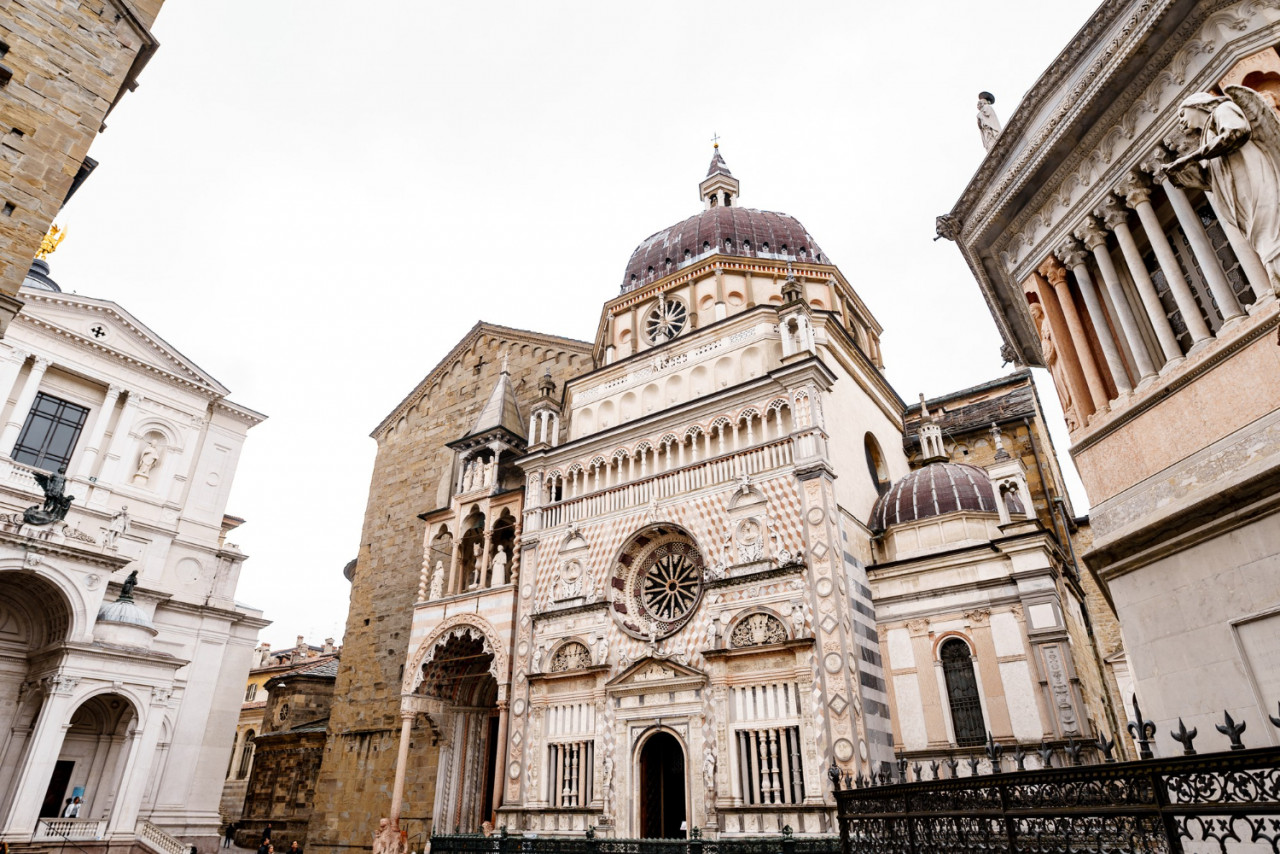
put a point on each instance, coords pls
(934, 490)
(742, 232)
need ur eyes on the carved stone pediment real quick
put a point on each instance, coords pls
(656, 674)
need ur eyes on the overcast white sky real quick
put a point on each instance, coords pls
(315, 200)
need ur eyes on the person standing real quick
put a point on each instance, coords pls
(266, 834)
(228, 834)
(294, 847)
(72, 809)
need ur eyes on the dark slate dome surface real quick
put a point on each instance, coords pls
(933, 490)
(744, 232)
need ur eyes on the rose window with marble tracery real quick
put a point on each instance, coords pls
(657, 583)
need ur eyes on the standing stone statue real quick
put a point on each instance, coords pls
(389, 839)
(537, 659)
(437, 580)
(607, 788)
(477, 563)
(1054, 363)
(988, 122)
(797, 620)
(1239, 161)
(709, 768)
(499, 568)
(119, 525)
(146, 462)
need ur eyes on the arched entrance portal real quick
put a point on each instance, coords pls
(662, 788)
(91, 761)
(459, 674)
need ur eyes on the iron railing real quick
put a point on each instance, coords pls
(503, 843)
(1215, 802)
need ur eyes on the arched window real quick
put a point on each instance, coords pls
(962, 692)
(246, 756)
(875, 464)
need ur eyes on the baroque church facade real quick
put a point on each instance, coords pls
(642, 593)
(123, 650)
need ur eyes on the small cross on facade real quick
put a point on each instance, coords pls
(98, 331)
(715, 139)
(480, 363)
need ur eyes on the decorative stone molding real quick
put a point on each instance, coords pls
(459, 626)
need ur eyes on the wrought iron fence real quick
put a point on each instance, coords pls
(503, 843)
(1217, 802)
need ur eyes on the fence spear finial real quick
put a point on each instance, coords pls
(1232, 730)
(1185, 737)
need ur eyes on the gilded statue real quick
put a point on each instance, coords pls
(1238, 159)
(50, 241)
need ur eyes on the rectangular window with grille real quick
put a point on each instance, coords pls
(766, 743)
(50, 434)
(569, 773)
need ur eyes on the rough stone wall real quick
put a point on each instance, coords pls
(282, 788)
(69, 62)
(411, 466)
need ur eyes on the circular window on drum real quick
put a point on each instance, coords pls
(657, 582)
(666, 320)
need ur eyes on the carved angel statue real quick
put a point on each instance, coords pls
(1238, 159)
(988, 122)
(56, 501)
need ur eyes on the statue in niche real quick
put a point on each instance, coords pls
(489, 470)
(797, 620)
(1054, 361)
(988, 122)
(556, 584)
(1238, 159)
(499, 567)
(56, 501)
(714, 629)
(588, 587)
(437, 581)
(607, 788)
(146, 462)
(709, 768)
(602, 649)
(116, 529)
(477, 564)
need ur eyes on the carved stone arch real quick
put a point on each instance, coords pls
(778, 403)
(669, 439)
(750, 497)
(619, 454)
(953, 635)
(720, 423)
(552, 475)
(644, 446)
(69, 607)
(169, 432)
(568, 655)
(757, 627)
(748, 412)
(693, 430)
(129, 693)
(459, 626)
(597, 460)
(574, 469)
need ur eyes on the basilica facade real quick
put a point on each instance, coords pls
(643, 594)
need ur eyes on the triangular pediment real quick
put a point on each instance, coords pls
(655, 671)
(107, 329)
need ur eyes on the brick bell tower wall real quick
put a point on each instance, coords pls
(358, 769)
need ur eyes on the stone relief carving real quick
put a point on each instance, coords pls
(1061, 688)
(757, 630)
(571, 656)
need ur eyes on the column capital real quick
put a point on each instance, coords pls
(114, 390)
(1053, 270)
(41, 363)
(1112, 213)
(1092, 234)
(16, 354)
(1071, 253)
(1135, 189)
(1155, 161)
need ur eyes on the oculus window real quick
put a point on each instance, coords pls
(50, 434)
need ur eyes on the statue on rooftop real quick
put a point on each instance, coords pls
(56, 501)
(988, 122)
(1238, 159)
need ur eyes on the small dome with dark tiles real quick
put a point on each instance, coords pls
(934, 490)
(741, 232)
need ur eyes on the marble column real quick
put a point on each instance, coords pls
(11, 361)
(22, 406)
(137, 770)
(1073, 255)
(93, 446)
(119, 438)
(500, 764)
(1137, 193)
(402, 763)
(1095, 240)
(43, 747)
(1056, 275)
(1117, 219)
(1210, 266)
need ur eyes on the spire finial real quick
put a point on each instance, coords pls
(505, 364)
(924, 409)
(715, 139)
